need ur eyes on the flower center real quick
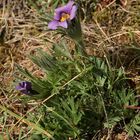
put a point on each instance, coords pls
(64, 17)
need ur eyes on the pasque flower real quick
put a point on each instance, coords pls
(63, 15)
(25, 87)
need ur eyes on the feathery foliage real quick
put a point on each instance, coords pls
(84, 94)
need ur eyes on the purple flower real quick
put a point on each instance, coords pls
(25, 87)
(63, 15)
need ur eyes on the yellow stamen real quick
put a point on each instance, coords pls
(64, 17)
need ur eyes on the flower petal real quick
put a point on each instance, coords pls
(66, 9)
(63, 24)
(25, 85)
(28, 85)
(53, 25)
(25, 91)
(57, 15)
(73, 12)
(18, 87)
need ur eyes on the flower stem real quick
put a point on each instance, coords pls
(80, 47)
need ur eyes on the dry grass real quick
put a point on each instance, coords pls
(112, 32)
